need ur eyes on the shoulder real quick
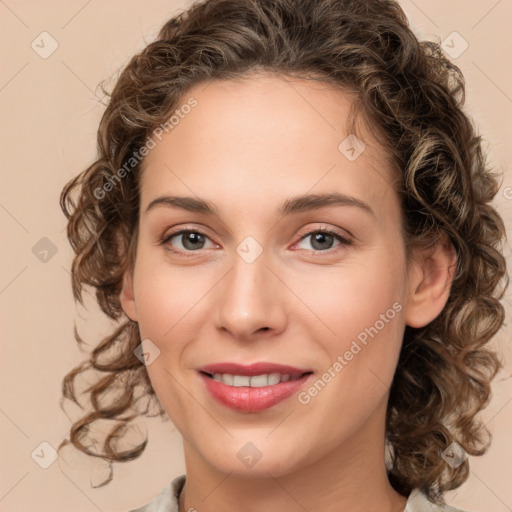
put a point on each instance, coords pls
(167, 499)
(418, 502)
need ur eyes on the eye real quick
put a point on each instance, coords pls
(322, 239)
(190, 240)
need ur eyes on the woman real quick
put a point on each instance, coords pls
(289, 217)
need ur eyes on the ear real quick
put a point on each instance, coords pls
(430, 280)
(127, 296)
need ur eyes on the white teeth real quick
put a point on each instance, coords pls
(241, 380)
(228, 379)
(274, 378)
(257, 381)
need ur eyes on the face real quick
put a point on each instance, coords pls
(276, 285)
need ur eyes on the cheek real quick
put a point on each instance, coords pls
(364, 314)
(167, 297)
(362, 319)
(348, 301)
(167, 303)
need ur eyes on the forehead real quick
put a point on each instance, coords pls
(267, 135)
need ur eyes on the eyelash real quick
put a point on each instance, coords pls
(187, 254)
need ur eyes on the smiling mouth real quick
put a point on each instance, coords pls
(254, 381)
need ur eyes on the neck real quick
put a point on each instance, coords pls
(351, 478)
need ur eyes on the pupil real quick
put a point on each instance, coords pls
(189, 239)
(321, 237)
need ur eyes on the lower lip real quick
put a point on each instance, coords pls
(249, 399)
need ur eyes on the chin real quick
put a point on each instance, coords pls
(260, 458)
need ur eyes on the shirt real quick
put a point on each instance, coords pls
(168, 500)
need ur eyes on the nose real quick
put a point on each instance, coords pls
(251, 301)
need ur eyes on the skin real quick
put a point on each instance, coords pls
(247, 147)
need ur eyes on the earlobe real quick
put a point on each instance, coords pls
(430, 283)
(127, 297)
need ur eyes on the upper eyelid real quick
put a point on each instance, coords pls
(343, 239)
(335, 231)
(181, 230)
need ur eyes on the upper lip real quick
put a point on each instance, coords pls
(253, 369)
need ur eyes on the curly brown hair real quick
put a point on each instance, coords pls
(412, 95)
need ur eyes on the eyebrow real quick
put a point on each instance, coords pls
(290, 206)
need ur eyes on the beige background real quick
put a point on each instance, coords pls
(50, 109)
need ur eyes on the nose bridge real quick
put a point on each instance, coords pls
(250, 300)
